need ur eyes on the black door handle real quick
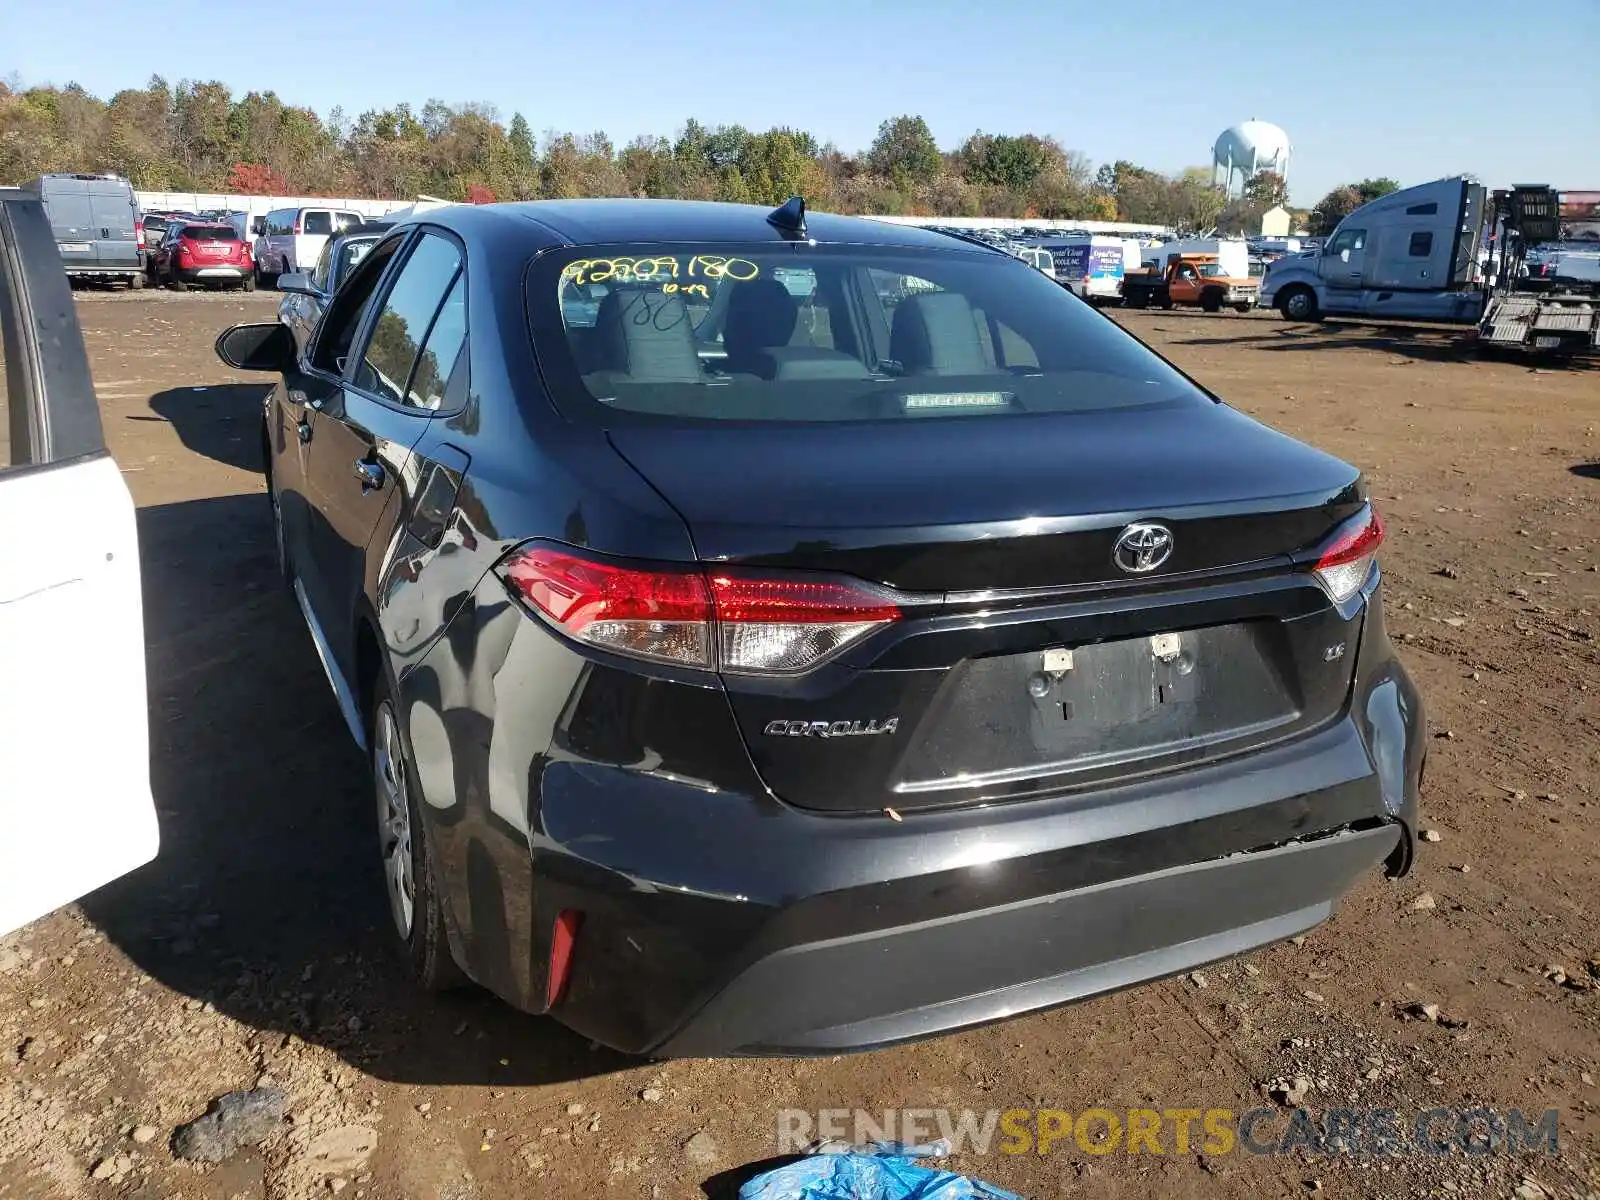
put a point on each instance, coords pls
(370, 474)
(104, 232)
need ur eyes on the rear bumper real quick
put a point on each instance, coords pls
(221, 273)
(96, 269)
(927, 978)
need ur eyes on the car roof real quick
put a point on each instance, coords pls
(603, 221)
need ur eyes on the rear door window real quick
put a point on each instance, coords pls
(317, 221)
(385, 366)
(70, 213)
(825, 333)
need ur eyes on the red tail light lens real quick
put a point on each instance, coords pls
(655, 614)
(138, 233)
(733, 621)
(1344, 566)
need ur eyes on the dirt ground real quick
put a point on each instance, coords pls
(251, 947)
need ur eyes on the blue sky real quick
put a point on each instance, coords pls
(1366, 87)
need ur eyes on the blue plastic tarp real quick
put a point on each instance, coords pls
(882, 1171)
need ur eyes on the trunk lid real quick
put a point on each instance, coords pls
(1027, 659)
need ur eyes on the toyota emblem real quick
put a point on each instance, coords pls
(1142, 547)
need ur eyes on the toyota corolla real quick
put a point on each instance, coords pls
(777, 633)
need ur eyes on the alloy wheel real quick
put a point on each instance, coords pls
(394, 820)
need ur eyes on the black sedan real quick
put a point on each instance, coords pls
(786, 634)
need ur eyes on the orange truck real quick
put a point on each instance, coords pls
(1190, 279)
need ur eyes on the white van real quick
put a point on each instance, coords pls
(292, 239)
(1090, 265)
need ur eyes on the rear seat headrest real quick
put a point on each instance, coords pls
(645, 334)
(937, 334)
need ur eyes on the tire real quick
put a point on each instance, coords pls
(177, 284)
(416, 925)
(1242, 308)
(1299, 304)
(135, 282)
(1211, 302)
(1165, 303)
(248, 283)
(1137, 300)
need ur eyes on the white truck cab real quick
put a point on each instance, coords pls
(1410, 255)
(75, 804)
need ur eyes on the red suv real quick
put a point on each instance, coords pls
(204, 252)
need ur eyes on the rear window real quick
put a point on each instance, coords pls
(210, 233)
(826, 334)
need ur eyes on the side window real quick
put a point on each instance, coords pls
(814, 326)
(440, 379)
(1431, 208)
(346, 220)
(349, 307)
(418, 291)
(1421, 243)
(1347, 239)
(893, 287)
(319, 273)
(317, 221)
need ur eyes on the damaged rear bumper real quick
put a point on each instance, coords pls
(912, 981)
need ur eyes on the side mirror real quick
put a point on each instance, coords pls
(298, 282)
(267, 346)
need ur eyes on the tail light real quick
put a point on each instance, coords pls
(138, 232)
(1347, 561)
(298, 219)
(728, 620)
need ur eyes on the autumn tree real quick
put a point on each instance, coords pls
(255, 179)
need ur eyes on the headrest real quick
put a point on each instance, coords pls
(937, 334)
(645, 335)
(761, 314)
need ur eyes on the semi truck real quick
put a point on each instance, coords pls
(1449, 251)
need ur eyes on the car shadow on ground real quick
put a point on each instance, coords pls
(222, 421)
(1587, 470)
(1425, 344)
(1429, 345)
(266, 898)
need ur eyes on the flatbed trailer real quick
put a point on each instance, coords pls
(1562, 324)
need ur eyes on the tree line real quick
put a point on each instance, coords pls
(197, 137)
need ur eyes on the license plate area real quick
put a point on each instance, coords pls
(1091, 709)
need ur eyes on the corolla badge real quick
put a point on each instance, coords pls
(831, 729)
(1142, 547)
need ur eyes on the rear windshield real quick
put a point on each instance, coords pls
(797, 332)
(211, 233)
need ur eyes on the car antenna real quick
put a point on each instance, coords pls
(789, 217)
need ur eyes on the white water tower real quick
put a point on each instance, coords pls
(1244, 149)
